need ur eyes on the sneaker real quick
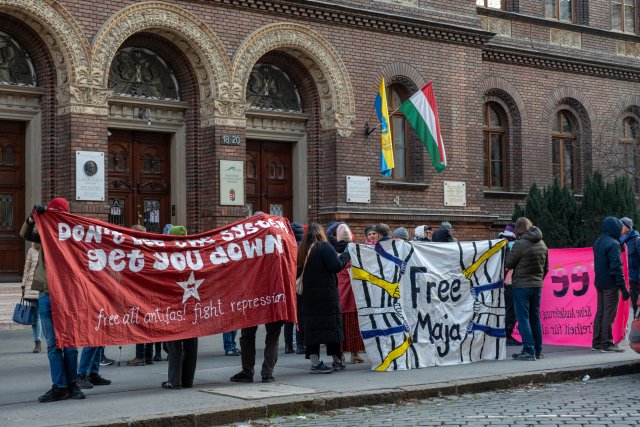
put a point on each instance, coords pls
(268, 379)
(339, 366)
(75, 392)
(96, 379)
(169, 386)
(321, 368)
(241, 377)
(539, 355)
(612, 349)
(136, 362)
(54, 395)
(83, 382)
(106, 361)
(524, 356)
(232, 352)
(157, 357)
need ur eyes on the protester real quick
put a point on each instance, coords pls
(444, 233)
(183, 354)
(371, 236)
(63, 362)
(298, 232)
(509, 234)
(422, 233)
(609, 282)
(631, 239)
(31, 295)
(89, 369)
(352, 338)
(383, 231)
(400, 233)
(529, 259)
(229, 343)
(322, 319)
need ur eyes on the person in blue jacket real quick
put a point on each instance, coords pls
(631, 239)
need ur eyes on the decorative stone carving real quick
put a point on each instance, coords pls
(83, 99)
(196, 40)
(61, 33)
(565, 38)
(501, 27)
(626, 48)
(321, 60)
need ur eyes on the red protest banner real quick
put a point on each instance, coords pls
(114, 285)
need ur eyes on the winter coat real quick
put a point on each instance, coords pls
(321, 315)
(529, 259)
(632, 240)
(607, 260)
(27, 277)
(442, 234)
(28, 232)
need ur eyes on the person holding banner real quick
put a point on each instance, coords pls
(183, 354)
(632, 241)
(63, 362)
(529, 260)
(322, 318)
(609, 283)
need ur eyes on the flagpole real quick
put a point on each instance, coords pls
(368, 131)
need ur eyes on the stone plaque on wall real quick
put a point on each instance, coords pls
(455, 193)
(358, 189)
(89, 175)
(232, 182)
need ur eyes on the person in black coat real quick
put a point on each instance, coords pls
(298, 232)
(319, 263)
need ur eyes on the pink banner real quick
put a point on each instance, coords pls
(569, 300)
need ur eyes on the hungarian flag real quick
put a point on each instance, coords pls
(422, 112)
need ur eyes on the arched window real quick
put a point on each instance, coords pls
(564, 151)
(495, 146)
(270, 88)
(16, 67)
(628, 136)
(400, 132)
(141, 73)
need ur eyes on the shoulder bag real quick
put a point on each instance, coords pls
(23, 313)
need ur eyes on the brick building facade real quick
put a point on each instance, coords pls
(288, 87)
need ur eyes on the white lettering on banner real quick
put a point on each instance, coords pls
(426, 304)
(242, 230)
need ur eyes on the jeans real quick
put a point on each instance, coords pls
(63, 363)
(248, 348)
(229, 340)
(37, 325)
(526, 302)
(605, 315)
(90, 360)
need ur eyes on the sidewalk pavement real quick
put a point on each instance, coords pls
(136, 399)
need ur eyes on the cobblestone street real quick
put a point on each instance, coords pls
(613, 401)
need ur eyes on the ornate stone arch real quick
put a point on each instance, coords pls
(402, 73)
(558, 95)
(317, 55)
(61, 33)
(197, 41)
(507, 91)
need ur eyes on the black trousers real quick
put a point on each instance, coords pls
(248, 349)
(183, 355)
(605, 315)
(510, 318)
(634, 291)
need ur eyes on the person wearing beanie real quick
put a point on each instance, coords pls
(183, 354)
(509, 233)
(298, 232)
(422, 233)
(371, 236)
(63, 362)
(631, 241)
(444, 233)
(400, 233)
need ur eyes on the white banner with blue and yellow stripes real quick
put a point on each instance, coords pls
(425, 304)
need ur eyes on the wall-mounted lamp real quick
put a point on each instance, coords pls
(145, 114)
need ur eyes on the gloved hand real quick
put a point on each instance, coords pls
(625, 293)
(39, 208)
(341, 246)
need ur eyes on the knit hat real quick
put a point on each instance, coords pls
(59, 203)
(446, 224)
(167, 228)
(628, 222)
(401, 233)
(367, 229)
(509, 231)
(178, 230)
(382, 229)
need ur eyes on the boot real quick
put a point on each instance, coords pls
(288, 348)
(38, 347)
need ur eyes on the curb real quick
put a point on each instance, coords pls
(290, 405)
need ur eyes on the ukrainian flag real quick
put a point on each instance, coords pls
(386, 158)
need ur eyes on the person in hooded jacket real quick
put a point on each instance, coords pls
(631, 239)
(298, 232)
(609, 282)
(529, 259)
(322, 318)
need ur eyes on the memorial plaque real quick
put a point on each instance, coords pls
(232, 182)
(455, 193)
(358, 189)
(89, 175)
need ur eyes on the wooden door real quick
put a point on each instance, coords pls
(139, 189)
(269, 186)
(12, 187)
